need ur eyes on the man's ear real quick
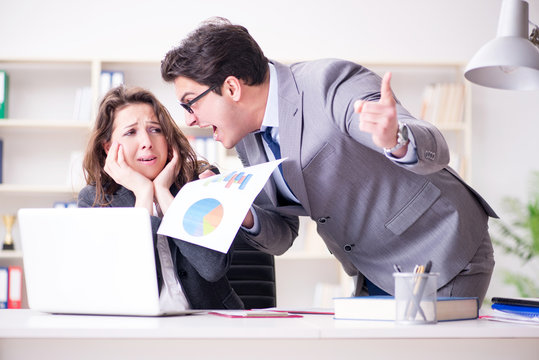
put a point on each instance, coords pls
(232, 87)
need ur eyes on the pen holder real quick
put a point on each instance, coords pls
(415, 298)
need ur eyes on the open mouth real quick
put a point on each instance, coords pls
(147, 159)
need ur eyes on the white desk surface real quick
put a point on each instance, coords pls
(26, 334)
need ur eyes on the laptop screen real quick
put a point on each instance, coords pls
(89, 261)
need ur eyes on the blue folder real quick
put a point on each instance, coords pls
(527, 311)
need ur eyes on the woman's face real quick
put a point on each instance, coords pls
(137, 129)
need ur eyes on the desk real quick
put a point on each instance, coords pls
(26, 334)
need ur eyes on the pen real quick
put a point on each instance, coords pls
(428, 267)
(414, 305)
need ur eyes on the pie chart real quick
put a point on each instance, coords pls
(203, 217)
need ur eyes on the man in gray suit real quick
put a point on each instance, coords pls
(375, 179)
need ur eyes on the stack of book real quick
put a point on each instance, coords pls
(10, 287)
(443, 104)
(519, 310)
(384, 308)
(205, 147)
(109, 80)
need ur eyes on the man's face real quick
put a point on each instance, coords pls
(221, 112)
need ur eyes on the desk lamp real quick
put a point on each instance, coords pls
(511, 60)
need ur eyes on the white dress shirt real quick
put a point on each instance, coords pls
(171, 297)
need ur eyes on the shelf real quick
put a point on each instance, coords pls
(27, 124)
(454, 127)
(42, 124)
(16, 189)
(10, 254)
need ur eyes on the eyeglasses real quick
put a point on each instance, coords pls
(187, 105)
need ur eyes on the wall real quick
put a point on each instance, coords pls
(506, 123)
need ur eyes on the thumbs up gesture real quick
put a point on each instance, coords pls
(380, 118)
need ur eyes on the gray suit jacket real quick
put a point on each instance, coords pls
(370, 211)
(201, 271)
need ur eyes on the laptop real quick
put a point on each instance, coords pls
(90, 261)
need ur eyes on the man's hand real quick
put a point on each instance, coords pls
(206, 174)
(249, 221)
(380, 118)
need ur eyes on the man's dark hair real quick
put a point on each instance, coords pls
(214, 51)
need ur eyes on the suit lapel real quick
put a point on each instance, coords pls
(257, 155)
(290, 132)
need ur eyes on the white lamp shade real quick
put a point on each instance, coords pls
(510, 61)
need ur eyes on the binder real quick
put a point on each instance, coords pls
(117, 78)
(110, 79)
(528, 311)
(533, 302)
(4, 276)
(1, 159)
(4, 83)
(105, 82)
(15, 287)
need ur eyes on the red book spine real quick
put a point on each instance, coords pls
(15, 287)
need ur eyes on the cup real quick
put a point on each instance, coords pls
(415, 298)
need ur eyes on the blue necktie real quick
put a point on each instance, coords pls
(273, 145)
(276, 150)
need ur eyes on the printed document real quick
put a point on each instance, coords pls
(208, 212)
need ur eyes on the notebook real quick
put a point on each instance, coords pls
(90, 261)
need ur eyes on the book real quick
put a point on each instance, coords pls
(305, 311)
(4, 89)
(254, 314)
(109, 80)
(15, 287)
(105, 82)
(1, 159)
(4, 276)
(529, 311)
(83, 104)
(384, 308)
(503, 316)
(533, 302)
(443, 104)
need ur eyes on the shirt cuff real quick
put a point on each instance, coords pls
(255, 230)
(411, 153)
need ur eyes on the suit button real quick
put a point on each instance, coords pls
(348, 247)
(430, 155)
(323, 220)
(182, 273)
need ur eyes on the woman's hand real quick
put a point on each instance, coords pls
(164, 181)
(123, 174)
(168, 175)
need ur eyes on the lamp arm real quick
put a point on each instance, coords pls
(534, 36)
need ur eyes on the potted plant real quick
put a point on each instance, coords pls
(520, 237)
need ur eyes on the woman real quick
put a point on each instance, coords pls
(137, 156)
